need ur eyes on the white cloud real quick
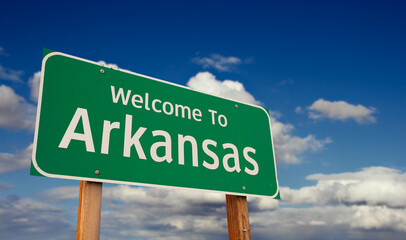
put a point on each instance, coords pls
(110, 65)
(379, 217)
(10, 74)
(262, 204)
(11, 162)
(218, 62)
(34, 83)
(15, 112)
(371, 186)
(288, 146)
(207, 82)
(341, 110)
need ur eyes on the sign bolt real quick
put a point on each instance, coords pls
(97, 172)
(101, 70)
(236, 106)
(243, 188)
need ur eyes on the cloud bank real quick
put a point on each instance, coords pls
(366, 204)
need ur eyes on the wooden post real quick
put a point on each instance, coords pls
(89, 213)
(237, 218)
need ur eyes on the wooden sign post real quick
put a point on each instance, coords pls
(237, 218)
(89, 213)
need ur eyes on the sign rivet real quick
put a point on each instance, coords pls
(236, 106)
(101, 70)
(243, 188)
(97, 172)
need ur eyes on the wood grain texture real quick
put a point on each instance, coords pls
(237, 218)
(89, 213)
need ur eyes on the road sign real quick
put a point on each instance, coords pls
(97, 123)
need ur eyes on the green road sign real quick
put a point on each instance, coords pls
(96, 123)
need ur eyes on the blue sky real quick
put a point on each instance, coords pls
(331, 72)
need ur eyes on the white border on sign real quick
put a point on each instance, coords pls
(34, 161)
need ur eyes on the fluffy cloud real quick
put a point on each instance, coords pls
(34, 83)
(287, 146)
(218, 62)
(207, 82)
(10, 74)
(15, 112)
(110, 65)
(378, 217)
(341, 110)
(11, 162)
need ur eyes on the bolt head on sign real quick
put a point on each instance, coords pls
(101, 124)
